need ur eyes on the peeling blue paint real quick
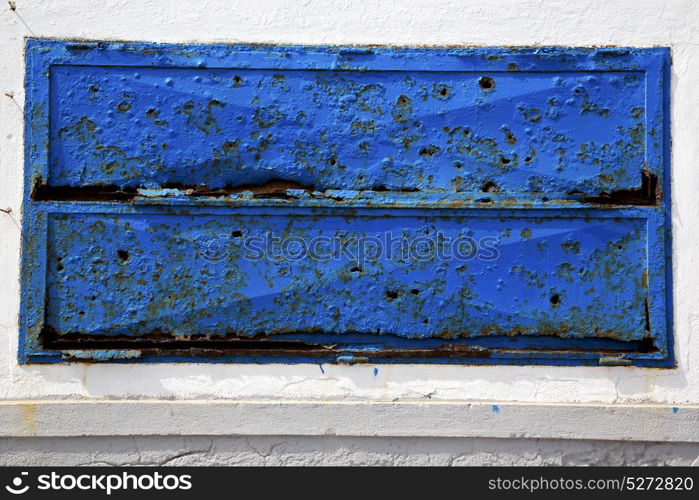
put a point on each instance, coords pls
(150, 167)
(100, 354)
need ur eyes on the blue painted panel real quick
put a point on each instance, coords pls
(423, 131)
(244, 203)
(412, 276)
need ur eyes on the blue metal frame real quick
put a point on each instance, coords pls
(156, 199)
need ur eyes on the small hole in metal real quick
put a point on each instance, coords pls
(490, 187)
(486, 83)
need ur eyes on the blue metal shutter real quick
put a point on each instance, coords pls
(282, 203)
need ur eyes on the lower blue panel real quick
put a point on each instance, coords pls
(413, 277)
(304, 284)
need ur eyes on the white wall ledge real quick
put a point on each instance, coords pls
(47, 418)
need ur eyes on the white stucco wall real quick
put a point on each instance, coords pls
(294, 450)
(673, 23)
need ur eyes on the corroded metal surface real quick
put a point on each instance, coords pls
(159, 176)
(134, 274)
(421, 131)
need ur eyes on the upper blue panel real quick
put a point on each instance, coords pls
(561, 122)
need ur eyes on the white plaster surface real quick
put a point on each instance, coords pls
(403, 418)
(322, 451)
(673, 23)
